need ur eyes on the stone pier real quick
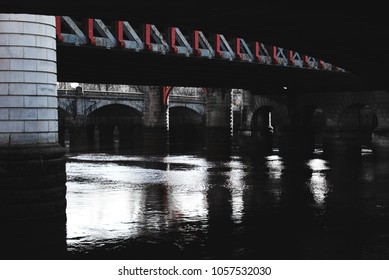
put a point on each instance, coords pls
(155, 136)
(218, 122)
(32, 164)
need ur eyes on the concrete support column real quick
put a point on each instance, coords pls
(380, 142)
(32, 164)
(218, 122)
(155, 136)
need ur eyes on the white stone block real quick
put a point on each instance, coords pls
(53, 126)
(52, 102)
(4, 89)
(5, 64)
(48, 20)
(35, 101)
(48, 90)
(11, 77)
(12, 126)
(35, 77)
(51, 137)
(4, 139)
(22, 89)
(46, 42)
(18, 17)
(11, 27)
(52, 78)
(23, 114)
(36, 126)
(46, 66)
(11, 52)
(23, 138)
(51, 55)
(50, 31)
(48, 114)
(23, 65)
(11, 101)
(34, 53)
(4, 114)
(22, 40)
(34, 28)
(4, 39)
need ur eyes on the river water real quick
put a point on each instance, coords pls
(123, 206)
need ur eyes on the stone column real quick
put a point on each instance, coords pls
(155, 136)
(380, 142)
(218, 122)
(32, 164)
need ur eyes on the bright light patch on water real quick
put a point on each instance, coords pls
(110, 196)
(275, 166)
(317, 165)
(318, 183)
(236, 185)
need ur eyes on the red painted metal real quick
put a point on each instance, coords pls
(196, 43)
(58, 28)
(321, 64)
(290, 58)
(90, 31)
(274, 55)
(306, 61)
(218, 51)
(257, 54)
(147, 39)
(119, 34)
(165, 94)
(172, 38)
(238, 53)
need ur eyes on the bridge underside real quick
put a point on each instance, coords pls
(94, 65)
(349, 37)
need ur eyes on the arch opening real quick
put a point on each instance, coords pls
(186, 130)
(115, 127)
(264, 129)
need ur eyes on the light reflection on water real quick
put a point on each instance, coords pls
(318, 183)
(237, 207)
(108, 195)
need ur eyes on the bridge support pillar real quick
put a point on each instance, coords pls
(155, 133)
(380, 142)
(341, 143)
(218, 122)
(296, 142)
(32, 163)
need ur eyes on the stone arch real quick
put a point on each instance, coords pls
(361, 98)
(260, 101)
(198, 108)
(95, 105)
(186, 128)
(167, 90)
(112, 124)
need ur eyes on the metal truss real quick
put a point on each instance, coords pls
(148, 38)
